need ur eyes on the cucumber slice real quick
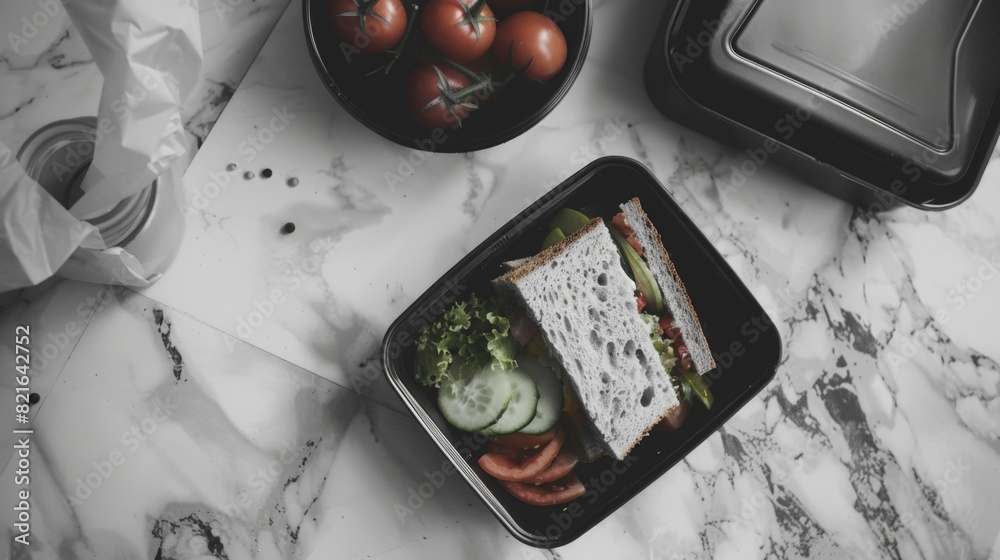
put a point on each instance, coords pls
(550, 397)
(521, 410)
(568, 220)
(554, 236)
(475, 401)
(644, 280)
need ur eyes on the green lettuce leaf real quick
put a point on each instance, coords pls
(472, 335)
(686, 383)
(663, 347)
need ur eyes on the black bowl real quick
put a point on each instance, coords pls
(377, 99)
(745, 342)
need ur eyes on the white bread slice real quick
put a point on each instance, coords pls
(584, 303)
(675, 296)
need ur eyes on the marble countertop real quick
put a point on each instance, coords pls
(237, 408)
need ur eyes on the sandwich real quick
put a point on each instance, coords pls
(614, 315)
(675, 297)
(593, 341)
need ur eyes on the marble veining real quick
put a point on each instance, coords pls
(48, 74)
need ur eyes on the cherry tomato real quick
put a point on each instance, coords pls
(462, 30)
(507, 465)
(525, 441)
(553, 493)
(431, 99)
(531, 43)
(372, 26)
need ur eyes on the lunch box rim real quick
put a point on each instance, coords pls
(499, 237)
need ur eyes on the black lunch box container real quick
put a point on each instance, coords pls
(879, 102)
(745, 342)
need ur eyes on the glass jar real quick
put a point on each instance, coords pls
(148, 225)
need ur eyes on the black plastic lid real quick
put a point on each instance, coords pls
(898, 95)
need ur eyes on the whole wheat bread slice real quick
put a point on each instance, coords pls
(675, 295)
(584, 303)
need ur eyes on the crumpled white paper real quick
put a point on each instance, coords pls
(150, 55)
(38, 233)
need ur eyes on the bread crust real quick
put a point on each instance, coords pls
(655, 235)
(509, 282)
(526, 266)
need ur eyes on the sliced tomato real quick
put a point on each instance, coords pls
(509, 452)
(681, 349)
(635, 243)
(619, 223)
(675, 417)
(687, 362)
(511, 466)
(561, 466)
(561, 491)
(668, 328)
(670, 331)
(640, 301)
(526, 441)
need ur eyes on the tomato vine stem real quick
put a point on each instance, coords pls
(365, 9)
(397, 51)
(474, 16)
